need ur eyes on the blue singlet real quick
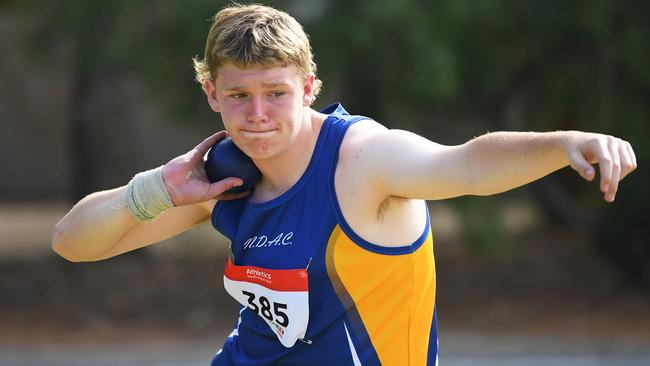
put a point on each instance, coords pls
(368, 305)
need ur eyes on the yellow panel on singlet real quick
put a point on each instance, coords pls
(393, 295)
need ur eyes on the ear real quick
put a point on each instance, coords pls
(308, 90)
(211, 92)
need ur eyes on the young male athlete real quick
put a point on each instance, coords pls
(332, 252)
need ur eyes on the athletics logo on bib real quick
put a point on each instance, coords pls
(279, 296)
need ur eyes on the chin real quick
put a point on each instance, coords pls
(258, 149)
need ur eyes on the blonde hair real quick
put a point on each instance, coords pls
(247, 35)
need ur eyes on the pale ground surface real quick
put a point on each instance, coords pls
(457, 349)
(588, 339)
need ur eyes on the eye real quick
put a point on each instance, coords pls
(238, 96)
(277, 94)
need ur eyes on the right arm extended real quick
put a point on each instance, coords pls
(100, 226)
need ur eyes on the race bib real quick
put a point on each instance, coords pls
(279, 296)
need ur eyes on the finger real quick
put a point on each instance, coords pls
(610, 195)
(627, 165)
(605, 164)
(581, 165)
(223, 185)
(201, 149)
(629, 149)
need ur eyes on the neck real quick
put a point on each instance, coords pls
(282, 171)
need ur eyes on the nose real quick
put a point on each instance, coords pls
(257, 111)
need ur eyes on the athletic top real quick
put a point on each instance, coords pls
(367, 304)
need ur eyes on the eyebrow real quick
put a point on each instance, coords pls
(266, 85)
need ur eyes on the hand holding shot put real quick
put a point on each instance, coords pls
(333, 204)
(186, 179)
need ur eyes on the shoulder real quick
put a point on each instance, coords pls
(358, 163)
(370, 147)
(360, 136)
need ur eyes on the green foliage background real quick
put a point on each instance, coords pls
(449, 70)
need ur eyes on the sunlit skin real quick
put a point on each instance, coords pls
(267, 113)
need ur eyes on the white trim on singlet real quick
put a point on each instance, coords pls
(353, 351)
(437, 348)
(235, 332)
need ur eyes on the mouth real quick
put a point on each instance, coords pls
(257, 134)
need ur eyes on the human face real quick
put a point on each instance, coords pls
(262, 108)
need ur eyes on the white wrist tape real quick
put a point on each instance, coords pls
(146, 195)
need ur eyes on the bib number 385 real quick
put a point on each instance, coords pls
(279, 297)
(264, 309)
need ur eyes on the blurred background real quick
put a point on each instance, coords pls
(93, 92)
